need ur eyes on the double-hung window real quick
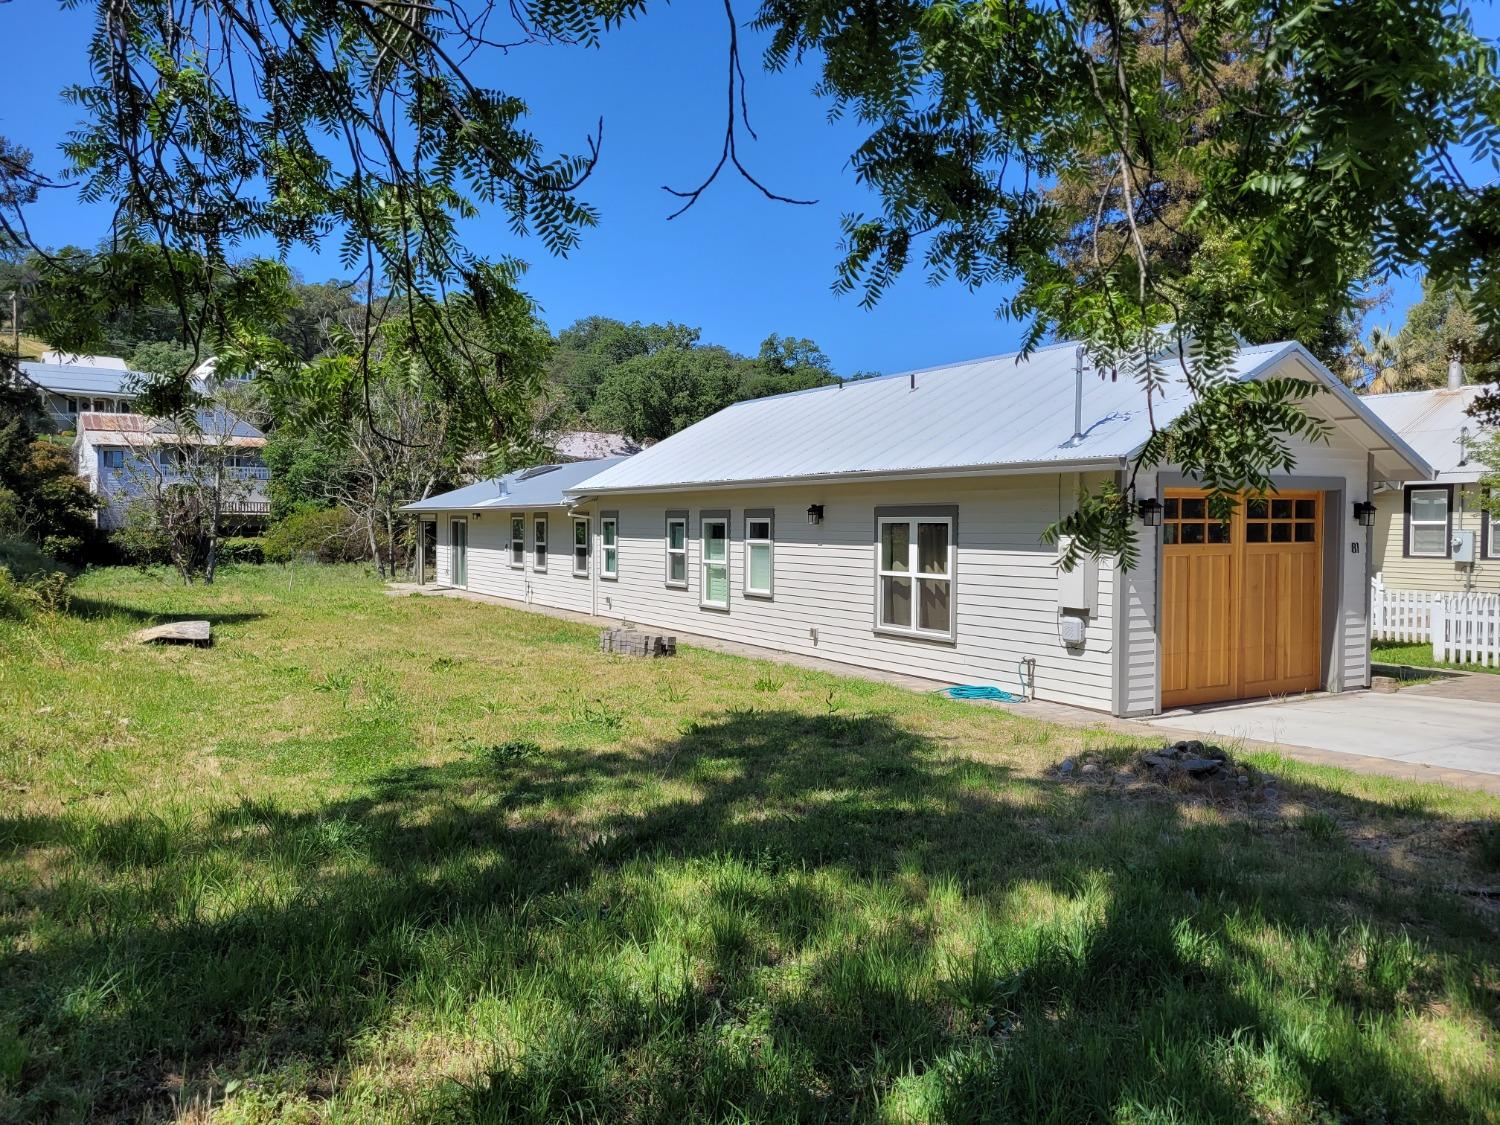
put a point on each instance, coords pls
(518, 542)
(1427, 522)
(112, 460)
(760, 547)
(713, 590)
(609, 546)
(1491, 533)
(539, 543)
(677, 574)
(581, 546)
(914, 575)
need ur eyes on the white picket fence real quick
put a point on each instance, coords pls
(1400, 615)
(1466, 629)
(1463, 628)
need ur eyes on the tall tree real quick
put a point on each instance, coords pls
(1339, 152)
(589, 349)
(786, 363)
(1444, 327)
(651, 397)
(378, 432)
(42, 499)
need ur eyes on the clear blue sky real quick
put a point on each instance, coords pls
(736, 265)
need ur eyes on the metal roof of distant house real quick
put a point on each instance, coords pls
(83, 359)
(544, 486)
(216, 423)
(997, 415)
(74, 379)
(592, 445)
(1433, 423)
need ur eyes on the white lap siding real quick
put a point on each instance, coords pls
(823, 601)
(489, 560)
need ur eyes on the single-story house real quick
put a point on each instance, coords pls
(123, 455)
(895, 523)
(1433, 535)
(516, 536)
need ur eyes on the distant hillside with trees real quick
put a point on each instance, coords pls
(651, 380)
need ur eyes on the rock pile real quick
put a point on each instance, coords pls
(1189, 765)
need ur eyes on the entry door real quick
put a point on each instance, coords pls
(1241, 601)
(458, 552)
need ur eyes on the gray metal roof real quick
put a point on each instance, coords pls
(1433, 423)
(541, 487)
(70, 378)
(997, 414)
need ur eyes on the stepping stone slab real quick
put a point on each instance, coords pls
(175, 633)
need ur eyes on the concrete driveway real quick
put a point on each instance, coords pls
(1449, 725)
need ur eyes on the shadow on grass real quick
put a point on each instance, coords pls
(93, 609)
(775, 916)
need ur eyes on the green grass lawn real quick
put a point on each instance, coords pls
(1418, 656)
(372, 858)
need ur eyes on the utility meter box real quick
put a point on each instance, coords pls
(1463, 547)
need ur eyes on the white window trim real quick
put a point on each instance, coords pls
(704, 520)
(607, 552)
(1412, 524)
(539, 545)
(517, 544)
(682, 518)
(581, 521)
(768, 517)
(912, 517)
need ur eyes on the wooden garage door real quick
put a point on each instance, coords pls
(1241, 602)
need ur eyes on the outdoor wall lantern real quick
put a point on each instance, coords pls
(1149, 510)
(815, 513)
(1364, 513)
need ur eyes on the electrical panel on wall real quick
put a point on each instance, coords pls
(1463, 546)
(1078, 589)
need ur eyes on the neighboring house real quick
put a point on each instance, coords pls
(1433, 535)
(100, 384)
(896, 523)
(72, 385)
(122, 455)
(591, 445)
